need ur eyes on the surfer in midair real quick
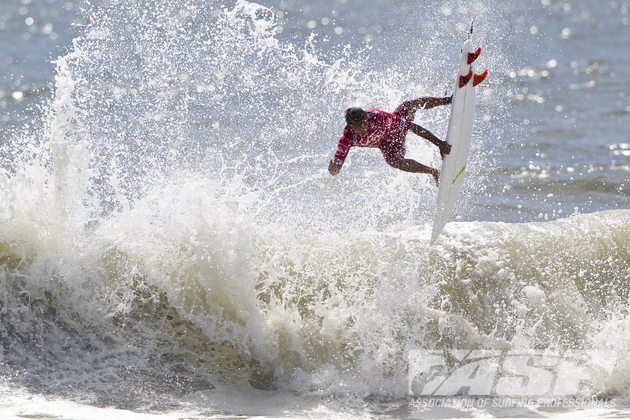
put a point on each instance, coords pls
(387, 132)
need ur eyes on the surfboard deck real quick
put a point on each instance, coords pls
(458, 135)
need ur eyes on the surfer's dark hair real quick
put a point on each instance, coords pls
(355, 115)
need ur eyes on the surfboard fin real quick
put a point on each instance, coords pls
(480, 77)
(463, 80)
(472, 56)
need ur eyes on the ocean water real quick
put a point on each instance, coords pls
(172, 245)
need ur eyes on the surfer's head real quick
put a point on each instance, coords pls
(355, 115)
(356, 118)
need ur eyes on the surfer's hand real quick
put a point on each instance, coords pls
(445, 149)
(333, 168)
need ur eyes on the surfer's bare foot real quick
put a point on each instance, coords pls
(436, 176)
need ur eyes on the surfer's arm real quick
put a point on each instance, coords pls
(343, 147)
(445, 148)
(334, 167)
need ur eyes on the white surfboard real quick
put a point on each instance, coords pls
(458, 136)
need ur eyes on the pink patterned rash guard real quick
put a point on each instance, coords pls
(385, 131)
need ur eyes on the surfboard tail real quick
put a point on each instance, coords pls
(463, 80)
(472, 56)
(478, 78)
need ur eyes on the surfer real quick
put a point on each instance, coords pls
(387, 132)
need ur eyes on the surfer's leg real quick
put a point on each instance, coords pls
(410, 165)
(394, 154)
(408, 109)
